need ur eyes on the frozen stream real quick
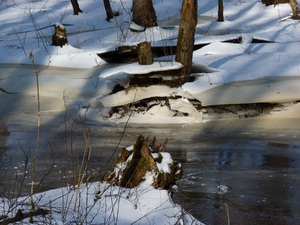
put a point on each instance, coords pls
(246, 171)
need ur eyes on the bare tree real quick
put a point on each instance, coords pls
(186, 35)
(76, 8)
(109, 12)
(143, 13)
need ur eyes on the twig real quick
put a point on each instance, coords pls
(23, 48)
(123, 133)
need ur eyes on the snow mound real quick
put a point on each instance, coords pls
(101, 203)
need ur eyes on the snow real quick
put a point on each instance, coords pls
(125, 97)
(107, 204)
(167, 160)
(236, 73)
(135, 68)
(60, 25)
(136, 27)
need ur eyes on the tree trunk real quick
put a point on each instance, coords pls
(185, 43)
(109, 12)
(143, 13)
(76, 8)
(220, 11)
(295, 9)
(144, 52)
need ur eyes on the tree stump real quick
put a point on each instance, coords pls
(144, 51)
(145, 160)
(59, 37)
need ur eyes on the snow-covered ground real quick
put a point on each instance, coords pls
(230, 73)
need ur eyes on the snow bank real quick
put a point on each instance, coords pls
(101, 203)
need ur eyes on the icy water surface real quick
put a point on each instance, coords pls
(244, 179)
(247, 178)
(235, 172)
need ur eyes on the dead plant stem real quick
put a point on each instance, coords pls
(123, 133)
(38, 130)
(227, 213)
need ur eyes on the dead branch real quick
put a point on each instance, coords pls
(23, 215)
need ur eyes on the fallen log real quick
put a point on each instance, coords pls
(23, 215)
(129, 54)
(274, 2)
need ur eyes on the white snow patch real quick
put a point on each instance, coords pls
(167, 160)
(136, 68)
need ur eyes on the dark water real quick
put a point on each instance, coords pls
(230, 176)
(262, 177)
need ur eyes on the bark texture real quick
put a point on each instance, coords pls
(132, 166)
(186, 35)
(143, 13)
(144, 52)
(295, 9)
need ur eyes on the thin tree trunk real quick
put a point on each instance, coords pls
(220, 11)
(76, 8)
(186, 35)
(109, 12)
